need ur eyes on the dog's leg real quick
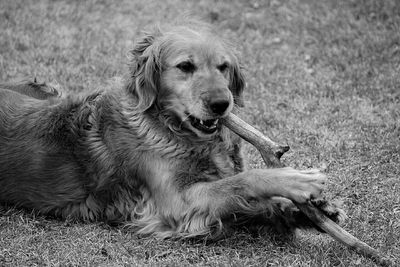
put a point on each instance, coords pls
(250, 195)
(33, 89)
(287, 217)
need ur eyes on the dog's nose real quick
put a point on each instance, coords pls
(219, 106)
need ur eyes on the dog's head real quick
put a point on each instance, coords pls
(188, 74)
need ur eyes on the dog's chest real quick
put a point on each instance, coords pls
(200, 165)
(184, 170)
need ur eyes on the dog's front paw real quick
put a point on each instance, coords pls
(302, 186)
(332, 209)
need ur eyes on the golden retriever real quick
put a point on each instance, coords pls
(152, 154)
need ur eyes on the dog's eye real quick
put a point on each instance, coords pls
(223, 67)
(186, 66)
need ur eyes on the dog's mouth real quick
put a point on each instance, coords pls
(205, 126)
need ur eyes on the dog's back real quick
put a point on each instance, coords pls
(52, 158)
(28, 129)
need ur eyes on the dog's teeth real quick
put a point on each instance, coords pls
(201, 122)
(215, 122)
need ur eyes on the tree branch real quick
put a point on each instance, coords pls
(271, 153)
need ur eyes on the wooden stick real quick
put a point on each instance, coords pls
(271, 153)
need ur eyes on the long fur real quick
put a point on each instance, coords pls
(131, 155)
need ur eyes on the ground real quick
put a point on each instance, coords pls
(322, 76)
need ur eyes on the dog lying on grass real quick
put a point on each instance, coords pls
(151, 155)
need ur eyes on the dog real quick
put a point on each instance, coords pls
(152, 154)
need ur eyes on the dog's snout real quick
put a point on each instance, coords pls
(219, 101)
(219, 105)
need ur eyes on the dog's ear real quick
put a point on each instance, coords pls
(145, 69)
(237, 82)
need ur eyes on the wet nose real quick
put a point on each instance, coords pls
(219, 105)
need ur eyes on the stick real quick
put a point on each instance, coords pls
(271, 153)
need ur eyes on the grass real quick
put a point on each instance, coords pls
(322, 76)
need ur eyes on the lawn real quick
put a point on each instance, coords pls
(322, 76)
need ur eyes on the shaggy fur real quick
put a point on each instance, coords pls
(139, 155)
